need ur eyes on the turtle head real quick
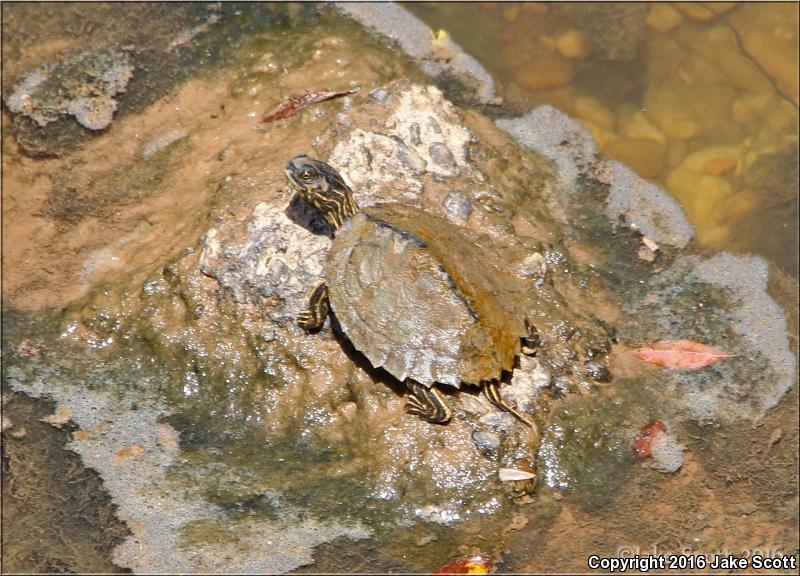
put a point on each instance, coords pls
(322, 187)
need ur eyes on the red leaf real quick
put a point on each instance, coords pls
(469, 565)
(681, 354)
(642, 444)
(294, 104)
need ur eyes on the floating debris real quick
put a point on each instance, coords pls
(513, 475)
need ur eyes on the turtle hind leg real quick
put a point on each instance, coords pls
(427, 403)
(492, 392)
(312, 318)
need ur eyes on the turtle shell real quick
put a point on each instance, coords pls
(421, 299)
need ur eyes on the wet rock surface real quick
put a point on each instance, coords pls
(232, 441)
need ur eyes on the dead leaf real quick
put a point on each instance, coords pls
(294, 104)
(469, 565)
(688, 354)
(642, 444)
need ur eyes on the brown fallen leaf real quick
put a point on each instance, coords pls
(469, 565)
(687, 354)
(294, 104)
(642, 444)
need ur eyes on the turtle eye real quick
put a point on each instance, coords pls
(306, 175)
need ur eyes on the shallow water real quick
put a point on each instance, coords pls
(228, 421)
(702, 100)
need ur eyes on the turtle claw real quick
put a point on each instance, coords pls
(427, 403)
(312, 318)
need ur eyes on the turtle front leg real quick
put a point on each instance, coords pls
(492, 392)
(427, 403)
(312, 318)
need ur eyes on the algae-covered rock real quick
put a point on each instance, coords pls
(83, 86)
(230, 440)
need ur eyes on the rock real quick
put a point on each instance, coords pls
(457, 206)
(419, 41)
(614, 30)
(667, 110)
(597, 371)
(441, 155)
(573, 45)
(663, 17)
(486, 441)
(540, 69)
(534, 266)
(750, 107)
(590, 109)
(526, 382)
(646, 208)
(645, 156)
(422, 135)
(770, 37)
(695, 11)
(83, 86)
(272, 439)
(634, 124)
(715, 161)
(380, 94)
(720, 47)
(700, 193)
(277, 259)
(558, 137)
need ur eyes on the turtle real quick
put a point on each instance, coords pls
(414, 293)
